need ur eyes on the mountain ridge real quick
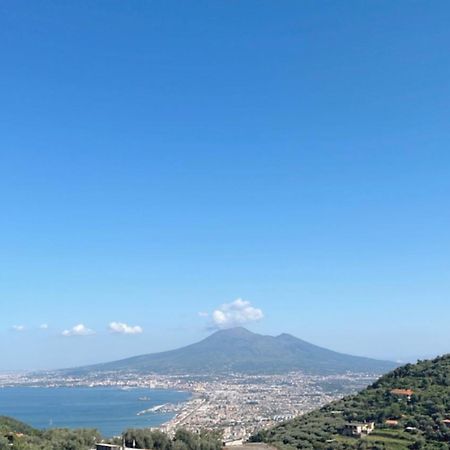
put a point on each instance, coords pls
(240, 350)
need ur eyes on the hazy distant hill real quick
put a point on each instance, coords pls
(414, 400)
(240, 350)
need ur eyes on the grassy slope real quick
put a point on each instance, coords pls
(426, 410)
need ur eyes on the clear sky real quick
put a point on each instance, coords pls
(159, 159)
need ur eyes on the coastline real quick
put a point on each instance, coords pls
(111, 410)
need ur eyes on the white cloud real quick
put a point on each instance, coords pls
(123, 328)
(78, 330)
(203, 314)
(18, 327)
(43, 326)
(238, 312)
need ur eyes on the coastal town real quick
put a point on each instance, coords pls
(237, 405)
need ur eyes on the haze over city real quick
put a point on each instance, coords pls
(171, 169)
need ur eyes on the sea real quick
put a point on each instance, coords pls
(110, 410)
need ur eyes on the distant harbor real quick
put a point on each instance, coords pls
(151, 410)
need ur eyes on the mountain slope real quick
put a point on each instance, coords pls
(426, 411)
(239, 350)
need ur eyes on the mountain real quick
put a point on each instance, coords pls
(410, 408)
(239, 350)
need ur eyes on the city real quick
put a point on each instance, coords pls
(237, 405)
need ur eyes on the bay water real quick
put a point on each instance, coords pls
(110, 410)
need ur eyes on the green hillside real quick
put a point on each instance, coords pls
(16, 435)
(415, 421)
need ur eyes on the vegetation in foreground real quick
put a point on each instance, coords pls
(420, 420)
(15, 435)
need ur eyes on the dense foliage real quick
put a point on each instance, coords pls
(15, 435)
(183, 440)
(19, 436)
(420, 417)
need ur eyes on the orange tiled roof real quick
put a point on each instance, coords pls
(402, 392)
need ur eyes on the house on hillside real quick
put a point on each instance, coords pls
(403, 393)
(358, 429)
(446, 422)
(391, 423)
(234, 443)
(102, 446)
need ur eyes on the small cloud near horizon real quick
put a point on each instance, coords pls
(43, 326)
(123, 328)
(18, 327)
(236, 313)
(78, 330)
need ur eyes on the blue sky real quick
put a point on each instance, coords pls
(161, 159)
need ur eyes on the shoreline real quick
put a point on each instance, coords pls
(112, 414)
